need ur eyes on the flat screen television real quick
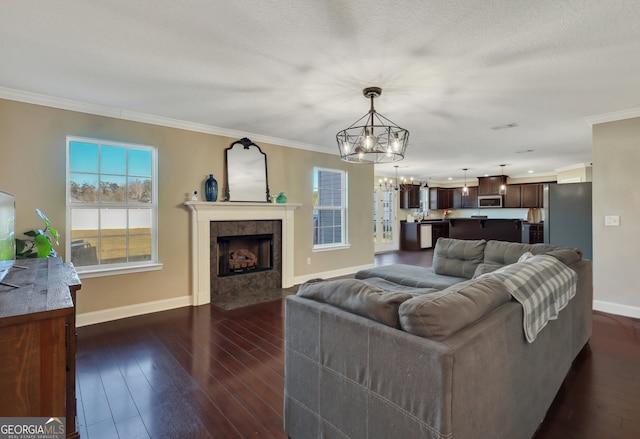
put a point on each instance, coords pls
(7, 233)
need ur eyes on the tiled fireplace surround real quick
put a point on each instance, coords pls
(229, 290)
(204, 213)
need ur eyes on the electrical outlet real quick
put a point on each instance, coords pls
(308, 261)
(612, 220)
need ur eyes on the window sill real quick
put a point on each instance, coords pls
(331, 247)
(114, 271)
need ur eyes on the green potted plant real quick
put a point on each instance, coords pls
(40, 241)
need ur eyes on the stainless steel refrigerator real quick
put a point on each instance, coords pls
(568, 216)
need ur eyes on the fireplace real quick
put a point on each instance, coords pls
(246, 261)
(244, 254)
(204, 214)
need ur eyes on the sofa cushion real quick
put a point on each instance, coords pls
(358, 297)
(392, 287)
(410, 275)
(458, 257)
(506, 253)
(485, 268)
(567, 256)
(436, 316)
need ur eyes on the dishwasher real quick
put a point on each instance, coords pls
(426, 240)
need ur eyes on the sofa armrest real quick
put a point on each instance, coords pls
(508, 382)
(396, 384)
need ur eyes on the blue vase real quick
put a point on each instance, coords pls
(211, 188)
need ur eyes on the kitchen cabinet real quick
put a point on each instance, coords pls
(410, 196)
(513, 197)
(410, 236)
(532, 195)
(524, 195)
(532, 233)
(440, 198)
(439, 230)
(536, 233)
(491, 185)
(418, 236)
(468, 202)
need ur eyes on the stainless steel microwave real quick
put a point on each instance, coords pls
(490, 201)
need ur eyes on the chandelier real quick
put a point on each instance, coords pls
(373, 138)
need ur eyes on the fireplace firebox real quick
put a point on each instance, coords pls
(244, 254)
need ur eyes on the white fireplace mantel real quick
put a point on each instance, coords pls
(203, 212)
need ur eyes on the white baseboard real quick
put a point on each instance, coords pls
(329, 274)
(121, 312)
(616, 308)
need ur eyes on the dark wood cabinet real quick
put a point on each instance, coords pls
(491, 185)
(533, 233)
(524, 195)
(38, 341)
(532, 195)
(536, 233)
(513, 197)
(468, 202)
(440, 198)
(410, 196)
(413, 238)
(439, 230)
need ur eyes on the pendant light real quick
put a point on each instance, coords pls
(503, 186)
(465, 189)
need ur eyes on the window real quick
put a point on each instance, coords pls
(111, 206)
(330, 206)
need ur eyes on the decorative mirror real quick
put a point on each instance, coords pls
(246, 167)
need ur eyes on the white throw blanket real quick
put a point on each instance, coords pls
(543, 285)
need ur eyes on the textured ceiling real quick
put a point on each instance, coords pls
(294, 70)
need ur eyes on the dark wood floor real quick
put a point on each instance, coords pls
(201, 372)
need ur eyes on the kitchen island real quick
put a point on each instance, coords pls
(512, 230)
(415, 236)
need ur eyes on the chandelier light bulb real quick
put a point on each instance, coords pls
(368, 139)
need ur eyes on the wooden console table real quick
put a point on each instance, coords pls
(38, 341)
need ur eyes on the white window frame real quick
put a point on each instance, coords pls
(343, 211)
(114, 268)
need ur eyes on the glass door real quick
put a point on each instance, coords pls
(385, 231)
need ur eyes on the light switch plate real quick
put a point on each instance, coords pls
(612, 220)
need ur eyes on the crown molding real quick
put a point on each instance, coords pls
(119, 113)
(614, 116)
(574, 166)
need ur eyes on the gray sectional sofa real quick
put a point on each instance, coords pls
(440, 352)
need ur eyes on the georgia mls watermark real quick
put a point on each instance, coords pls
(32, 428)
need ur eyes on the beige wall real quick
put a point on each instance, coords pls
(576, 175)
(32, 166)
(616, 253)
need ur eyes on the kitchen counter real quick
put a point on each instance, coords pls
(511, 230)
